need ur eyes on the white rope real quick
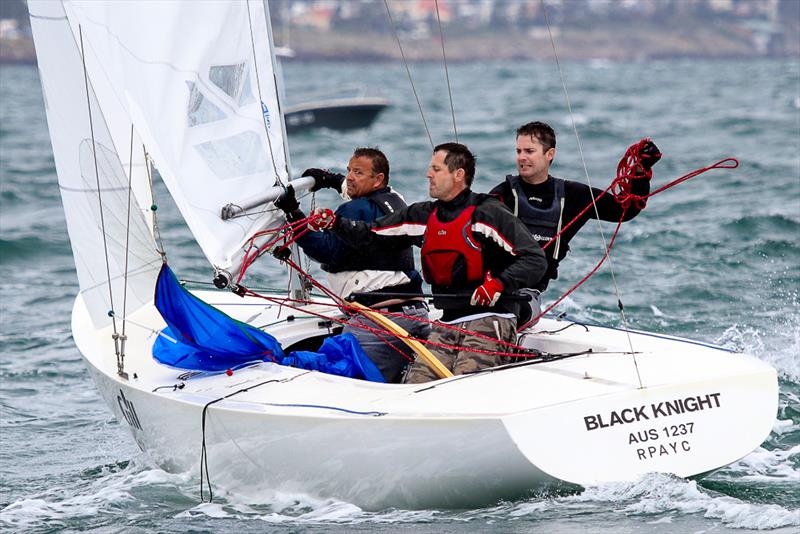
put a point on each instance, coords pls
(258, 85)
(446, 71)
(591, 192)
(408, 71)
(97, 179)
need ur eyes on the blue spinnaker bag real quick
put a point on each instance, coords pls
(339, 355)
(207, 339)
(202, 338)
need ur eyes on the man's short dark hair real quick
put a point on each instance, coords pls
(379, 162)
(458, 157)
(541, 131)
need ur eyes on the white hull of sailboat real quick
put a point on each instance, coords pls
(459, 442)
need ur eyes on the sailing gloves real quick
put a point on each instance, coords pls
(321, 219)
(488, 293)
(288, 203)
(324, 179)
(649, 154)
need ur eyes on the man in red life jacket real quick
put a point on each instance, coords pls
(547, 204)
(474, 251)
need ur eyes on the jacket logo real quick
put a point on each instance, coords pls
(441, 232)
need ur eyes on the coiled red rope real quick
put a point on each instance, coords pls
(630, 168)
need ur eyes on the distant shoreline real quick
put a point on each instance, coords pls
(638, 43)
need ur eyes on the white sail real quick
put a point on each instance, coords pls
(202, 94)
(92, 161)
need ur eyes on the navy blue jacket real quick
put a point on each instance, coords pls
(335, 255)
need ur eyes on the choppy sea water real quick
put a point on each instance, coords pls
(715, 259)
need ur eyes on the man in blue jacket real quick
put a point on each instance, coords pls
(365, 270)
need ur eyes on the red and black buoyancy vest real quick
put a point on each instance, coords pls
(451, 257)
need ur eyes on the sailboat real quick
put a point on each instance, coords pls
(190, 88)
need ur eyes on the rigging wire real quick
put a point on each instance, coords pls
(258, 85)
(124, 337)
(99, 193)
(154, 206)
(591, 192)
(408, 71)
(446, 71)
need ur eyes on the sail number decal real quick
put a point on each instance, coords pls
(128, 411)
(654, 442)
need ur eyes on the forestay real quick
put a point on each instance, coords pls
(93, 159)
(197, 81)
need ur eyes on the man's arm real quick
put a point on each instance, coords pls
(647, 154)
(328, 248)
(399, 229)
(580, 195)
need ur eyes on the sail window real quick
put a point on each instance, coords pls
(228, 78)
(247, 92)
(201, 109)
(238, 155)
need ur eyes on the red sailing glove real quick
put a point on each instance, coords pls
(321, 219)
(488, 293)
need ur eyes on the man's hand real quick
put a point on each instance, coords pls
(649, 154)
(321, 219)
(488, 293)
(287, 202)
(324, 179)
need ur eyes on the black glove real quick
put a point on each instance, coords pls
(323, 179)
(649, 154)
(287, 201)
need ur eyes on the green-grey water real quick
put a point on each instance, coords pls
(715, 259)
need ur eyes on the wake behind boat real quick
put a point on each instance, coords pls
(597, 405)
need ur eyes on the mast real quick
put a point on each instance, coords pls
(298, 286)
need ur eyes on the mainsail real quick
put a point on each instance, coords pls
(182, 80)
(203, 98)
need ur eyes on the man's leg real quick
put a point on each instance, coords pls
(419, 372)
(388, 352)
(499, 328)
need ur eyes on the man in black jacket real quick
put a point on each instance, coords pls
(473, 252)
(546, 204)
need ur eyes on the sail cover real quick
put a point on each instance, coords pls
(201, 337)
(95, 168)
(197, 81)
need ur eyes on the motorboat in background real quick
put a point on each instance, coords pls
(347, 110)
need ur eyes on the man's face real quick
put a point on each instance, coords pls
(361, 180)
(442, 183)
(533, 161)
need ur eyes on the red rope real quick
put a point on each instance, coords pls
(288, 232)
(629, 169)
(347, 308)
